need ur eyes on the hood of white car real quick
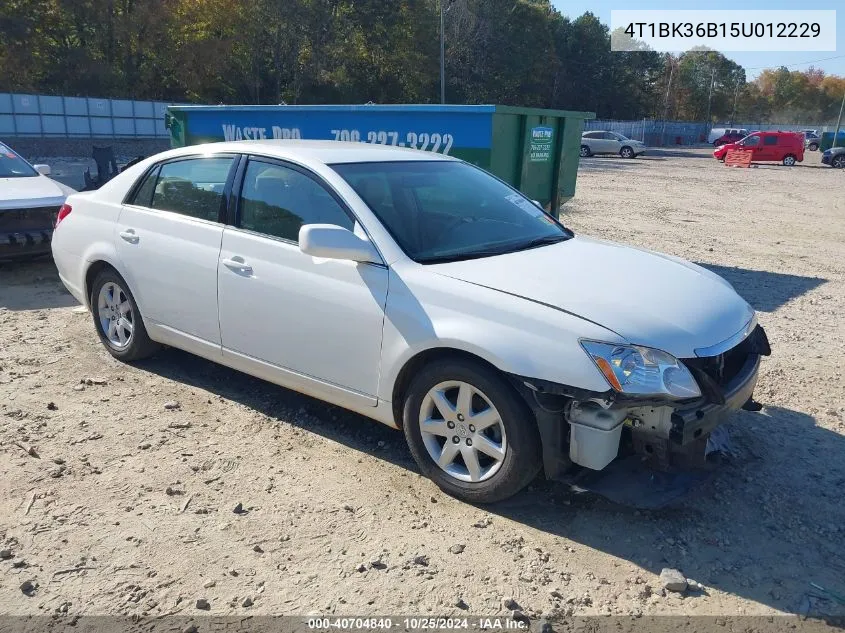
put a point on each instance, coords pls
(35, 191)
(649, 299)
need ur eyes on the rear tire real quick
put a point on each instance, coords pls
(431, 432)
(585, 151)
(117, 319)
(789, 160)
(627, 152)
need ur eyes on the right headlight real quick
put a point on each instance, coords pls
(643, 371)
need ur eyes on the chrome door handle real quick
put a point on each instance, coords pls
(238, 265)
(130, 236)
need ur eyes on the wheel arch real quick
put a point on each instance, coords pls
(97, 264)
(430, 355)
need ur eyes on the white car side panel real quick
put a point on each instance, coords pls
(82, 238)
(316, 317)
(514, 335)
(172, 269)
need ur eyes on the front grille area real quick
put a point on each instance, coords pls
(722, 369)
(36, 219)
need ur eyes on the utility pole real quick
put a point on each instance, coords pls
(666, 107)
(442, 57)
(736, 94)
(710, 97)
(838, 121)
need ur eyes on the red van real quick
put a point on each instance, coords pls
(780, 147)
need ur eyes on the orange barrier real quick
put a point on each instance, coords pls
(738, 158)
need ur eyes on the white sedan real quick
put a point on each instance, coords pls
(417, 290)
(29, 202)
(604, 142)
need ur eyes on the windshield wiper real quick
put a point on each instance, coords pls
(490, 252)
(456, 257)
(542, 241)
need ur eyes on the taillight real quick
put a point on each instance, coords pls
(63, 213)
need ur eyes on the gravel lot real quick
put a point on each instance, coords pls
(118, 484)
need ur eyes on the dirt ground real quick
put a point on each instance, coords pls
(118, 484)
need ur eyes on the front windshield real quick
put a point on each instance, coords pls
(620, 137)
(12, 165)
(445, 211)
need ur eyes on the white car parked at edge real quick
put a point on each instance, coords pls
(604, 142)
(29, 202)
(417, 290)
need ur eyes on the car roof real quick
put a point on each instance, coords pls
(327, 152)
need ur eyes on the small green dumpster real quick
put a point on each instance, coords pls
(534, 150)
(827, 140)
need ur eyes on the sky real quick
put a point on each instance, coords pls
(753, 63)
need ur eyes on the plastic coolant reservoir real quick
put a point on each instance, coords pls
(595, 434)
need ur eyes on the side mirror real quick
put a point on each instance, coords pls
(330, 241)
(44, 170)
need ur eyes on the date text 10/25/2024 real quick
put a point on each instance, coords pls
(425, 141)
(423, 623)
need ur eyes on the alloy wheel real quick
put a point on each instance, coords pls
(462, 431)
(116, 317)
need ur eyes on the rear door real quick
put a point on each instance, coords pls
(593, 141)
(168, 238)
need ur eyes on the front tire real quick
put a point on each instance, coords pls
(838, 161)
(470, 432)
(789, 160)
(118, 320)
(813, 147)
(627, 152)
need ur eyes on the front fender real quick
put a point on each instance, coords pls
(513, 334)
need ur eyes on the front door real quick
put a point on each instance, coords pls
(318, 321)
(754, 145)
(168, 239)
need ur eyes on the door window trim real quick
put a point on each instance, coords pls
(237, 197)
(226, 196)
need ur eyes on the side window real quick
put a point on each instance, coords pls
(144, 194)
(277, 201)
(770, 140)
(609, 136)
(192, 187)
(751, 141)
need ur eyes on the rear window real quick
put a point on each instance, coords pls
(13, 166)
(192, 187)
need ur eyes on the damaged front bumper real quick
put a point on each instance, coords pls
(575, 425)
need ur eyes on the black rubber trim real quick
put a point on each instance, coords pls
(690, 424)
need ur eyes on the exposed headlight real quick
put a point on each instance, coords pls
(643, 371)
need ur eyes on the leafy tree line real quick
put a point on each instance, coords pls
(513, 52)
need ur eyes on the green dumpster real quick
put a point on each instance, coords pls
(827, 140)
(534, 150)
